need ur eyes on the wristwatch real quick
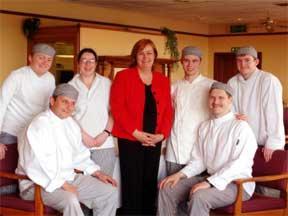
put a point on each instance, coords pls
(108, 132)
(209, 183)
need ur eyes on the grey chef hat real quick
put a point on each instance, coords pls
(247, 50)
(67, 90)
(44, 48)
(222, 86)
(191, 50)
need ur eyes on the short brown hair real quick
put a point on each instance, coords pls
(87, 50)
(139, 46)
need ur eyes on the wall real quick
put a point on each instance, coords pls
(109, 42)
(63, 8)
(251, 28)
(13, 43)
(274, 50)
(202, 43)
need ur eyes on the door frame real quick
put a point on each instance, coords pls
(219, 74)
(69, 34)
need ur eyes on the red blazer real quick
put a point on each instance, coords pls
(127, 100)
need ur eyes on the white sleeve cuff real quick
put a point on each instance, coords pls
(91, 169)
(218, 182)
(186, 171)
(275, 145)
(54, 185)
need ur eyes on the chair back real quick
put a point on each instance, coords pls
(9, 164)
(277, 165)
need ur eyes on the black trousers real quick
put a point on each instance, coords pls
(139, 171)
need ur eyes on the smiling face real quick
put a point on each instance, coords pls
(246, 65)
(145, 58)
(87, 64)
(40, 63)
(62, 106)
(191, 65)
(219, 102)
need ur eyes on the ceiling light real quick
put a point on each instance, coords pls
(65, 56)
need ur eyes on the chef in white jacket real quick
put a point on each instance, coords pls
(92, 110)
(25, 93)
(258, 99)
(190, 98)
(225, 148)
(49, 151)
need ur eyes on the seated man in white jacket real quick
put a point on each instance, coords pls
(225, 147)
(50, 149)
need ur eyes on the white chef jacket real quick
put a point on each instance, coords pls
(260, 98)
(49, 150)
(226, 148)
(92, 107)
(23, 95)
(190, 102)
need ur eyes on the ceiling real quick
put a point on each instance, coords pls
(208, 12)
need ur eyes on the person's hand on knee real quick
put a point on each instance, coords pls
(70, 188)
(199, 186)
(171, 180)
(105, 178)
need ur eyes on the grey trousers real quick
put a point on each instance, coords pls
(173, 167)
(94, 194)
(266, 191)
(7, 138)
(105, 158)
(201, 202)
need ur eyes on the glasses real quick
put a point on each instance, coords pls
(88, 61)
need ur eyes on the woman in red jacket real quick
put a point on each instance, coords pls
(141, 106)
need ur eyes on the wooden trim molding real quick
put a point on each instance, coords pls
(249, 34)
(68, 34)
(115, 26)
(107, 65)
(128, 28)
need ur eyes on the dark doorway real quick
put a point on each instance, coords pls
(225, 66)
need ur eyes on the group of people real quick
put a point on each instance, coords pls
(212, 129)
